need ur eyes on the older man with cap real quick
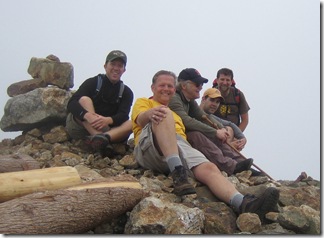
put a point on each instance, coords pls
(203, 137)
(99, 109)
(210, 102)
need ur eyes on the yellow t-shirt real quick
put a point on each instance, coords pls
(144, 104)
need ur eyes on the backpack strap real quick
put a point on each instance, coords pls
(99, 84)
(236, 98)
(98, 87)
(237, 95)
(121, 90)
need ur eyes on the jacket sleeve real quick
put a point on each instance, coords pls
(125, 105)
(237, 131)
(192, 122)
(87, 88)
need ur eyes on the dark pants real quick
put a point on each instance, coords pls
(215, 151)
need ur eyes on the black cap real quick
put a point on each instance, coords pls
(116, 54)
(192, 75)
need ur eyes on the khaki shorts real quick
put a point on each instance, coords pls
(148, 156)
(75, 130)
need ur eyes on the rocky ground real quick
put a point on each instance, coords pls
(160, 211)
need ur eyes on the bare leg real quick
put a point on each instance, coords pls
(164, 142)
(117, 134)
(121, 132)
(87, 104)
(209, 174)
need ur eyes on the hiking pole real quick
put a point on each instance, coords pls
(212, 124)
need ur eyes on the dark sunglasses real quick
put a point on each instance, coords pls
(196, 84)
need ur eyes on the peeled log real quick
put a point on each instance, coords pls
(17, 184)
(71, 211)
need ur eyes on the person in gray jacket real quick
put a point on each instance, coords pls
(210, 102)
(203, 137)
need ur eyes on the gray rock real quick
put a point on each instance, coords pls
(37, 108)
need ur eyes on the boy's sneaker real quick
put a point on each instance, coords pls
(97, 142)
(267, 202)
(180, 182)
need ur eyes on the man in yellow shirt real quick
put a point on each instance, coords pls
(160, 145)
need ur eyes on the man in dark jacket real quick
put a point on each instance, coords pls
(99, 109)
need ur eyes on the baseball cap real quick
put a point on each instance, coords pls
(192, 75)
(116, 54)
(213, 93)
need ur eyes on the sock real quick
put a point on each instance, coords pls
(236, 201)
(173, 161)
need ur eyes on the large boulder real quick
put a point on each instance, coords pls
(37, 108)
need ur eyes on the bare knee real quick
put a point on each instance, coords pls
(168, 112)
(205, 170)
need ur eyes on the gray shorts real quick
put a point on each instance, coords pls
(75, 130)
(148, 156)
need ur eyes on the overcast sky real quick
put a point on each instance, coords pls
(272, 46)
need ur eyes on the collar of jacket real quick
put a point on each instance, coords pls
(183, 98)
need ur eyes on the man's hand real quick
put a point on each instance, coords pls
(97, 121)
(157, 114)
(239, 144)
(222, 134)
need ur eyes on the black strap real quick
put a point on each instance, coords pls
(99, 84)
(98, 87)
(121, 90)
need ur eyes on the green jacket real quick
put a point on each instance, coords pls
(191, 115)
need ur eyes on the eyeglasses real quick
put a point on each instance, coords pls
(196, 84)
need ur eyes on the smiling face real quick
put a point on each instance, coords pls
(224, 83)
(115, 69)
(163, 88)
(210, 105)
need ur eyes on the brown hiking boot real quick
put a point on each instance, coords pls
(267, 202)
(180, 182)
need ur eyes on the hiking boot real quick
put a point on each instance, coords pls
(257, 173)
(243, 165)
(267, 202)
(97, 142)
(180, 182)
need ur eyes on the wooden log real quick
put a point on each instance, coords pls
(17, 184)
(17, 162)
(69, 211)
